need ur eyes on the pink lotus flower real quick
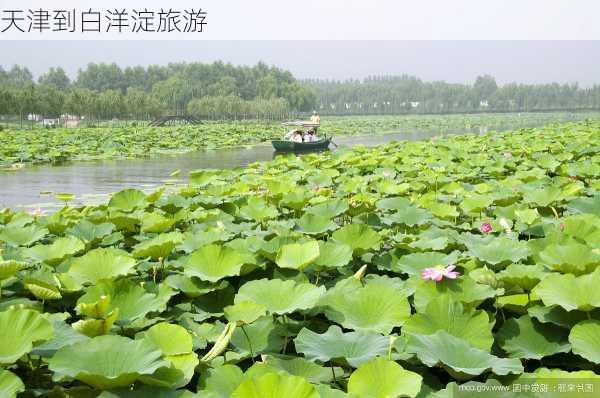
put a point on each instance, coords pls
(37, 212)
(439, 272)
(486, 228)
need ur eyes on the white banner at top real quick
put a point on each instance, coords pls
(300, 20)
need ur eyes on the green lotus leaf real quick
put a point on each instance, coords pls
(329, 209)
(556, 315)
(275, 385)
(43, 284)
(295, 199)
(524, 276)
(585, 339)
(443, 313)
(413, 264)
(89, 232)
(313, 224)
(194, 240)
(359, 237)
(303, 368)
(258, 209)
(20, 329)
(545, 374)
(381, 378)
(244, 312)
(220, 382)
(333, 255)
(128, 200)
(441, 210)
(132, 300)
(154, 222)
(193, 287)
(569, 291)
(64, 335)
(261, 336)
(56, 252)
(9, 268)
(10, 384)
(65, 196)
(107, 362)
(100, 264)
(498, 250)
(527, 338)
(475, 203)
(433, 239)
(175, 343)
(280, 297)
(126, 222)
(327, 392)
(542, 197)
(410, 216)
(158, 247)
(376, 307)
(145, 392)
(585, 205)
(397, 203)
(569, 257)
(354, 347)
(297, 255)
(213, 262)
(459, 358)
(22, 235)
(463, 289)
(584, 227)
(527, 216)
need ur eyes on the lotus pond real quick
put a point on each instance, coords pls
(21, 147)
(408, 269)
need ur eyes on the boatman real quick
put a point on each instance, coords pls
(315, 119)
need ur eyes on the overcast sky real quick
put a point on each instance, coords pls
(453, 61)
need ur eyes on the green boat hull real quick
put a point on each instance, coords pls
(290, 146)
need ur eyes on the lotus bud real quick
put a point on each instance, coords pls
(361, 272)
(505, 224)
(221, 343)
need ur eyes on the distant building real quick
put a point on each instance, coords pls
(46, 122)
(32, 117)
(70, 121)
(483, 104)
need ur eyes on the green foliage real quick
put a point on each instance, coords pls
(303, 276)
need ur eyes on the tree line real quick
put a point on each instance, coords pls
(105, 91)
(224, 91)
(408, 94)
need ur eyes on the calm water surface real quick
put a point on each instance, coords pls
(91, 181)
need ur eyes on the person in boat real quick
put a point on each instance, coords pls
(297, 136)
(292, 135)
(311, 136)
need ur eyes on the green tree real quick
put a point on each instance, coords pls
(55, 77)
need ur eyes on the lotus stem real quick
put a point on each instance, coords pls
(249, 342)
(333, 372)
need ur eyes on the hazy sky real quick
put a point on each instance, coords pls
(453, 61)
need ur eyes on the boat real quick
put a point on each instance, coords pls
(293, 146)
